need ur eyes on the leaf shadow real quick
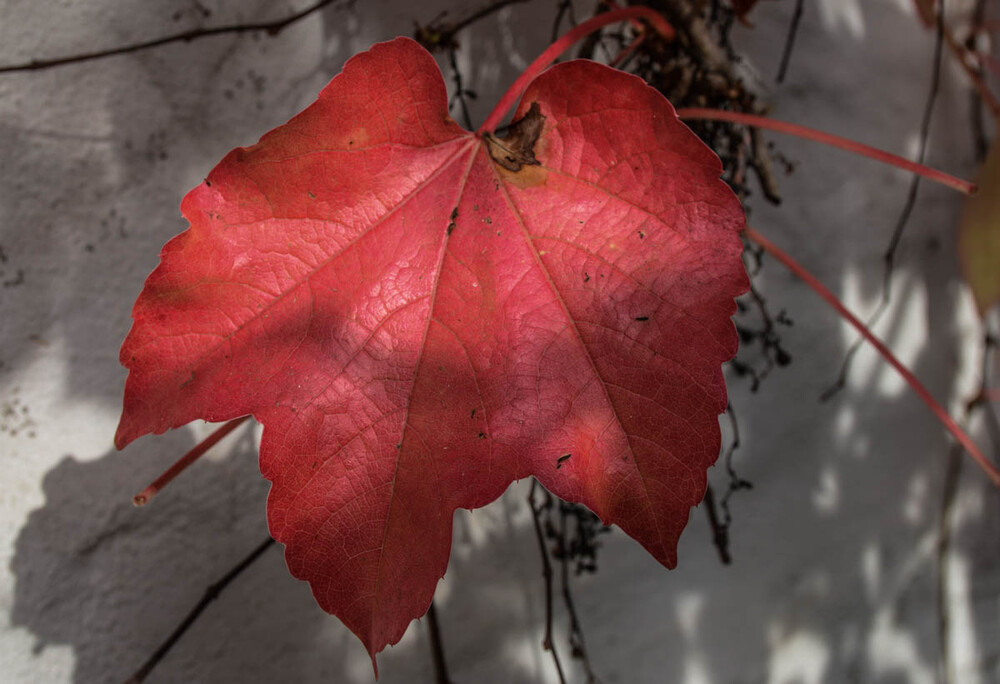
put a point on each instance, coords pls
(111, 581)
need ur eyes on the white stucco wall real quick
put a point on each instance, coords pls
(835, 548)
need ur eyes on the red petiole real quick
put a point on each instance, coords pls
(988, 467)
(143, 497)
(693, 113)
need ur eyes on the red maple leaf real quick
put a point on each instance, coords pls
(419, 315)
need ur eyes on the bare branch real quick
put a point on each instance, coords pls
(439, 34)
(271, 28)
(536, 513)
(889, 257)
(437, 647)
(211, 593)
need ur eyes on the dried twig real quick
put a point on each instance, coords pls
(949, 493)
(565, 10)
(793, 29)
(460, 91)
(271, 28)
(211, 593)
(440, 34)
(979, 143)
(889, 256)
(536, 514)
(577, 643)
(437, 647)
(720, 531)
(720, 525)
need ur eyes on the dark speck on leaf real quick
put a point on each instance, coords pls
(586, 277)
(472, 414)
(642, 318)
(482, 435)
(562, 459)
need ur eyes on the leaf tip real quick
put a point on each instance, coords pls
(122, 438)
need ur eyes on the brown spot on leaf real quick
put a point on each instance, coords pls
(515, 148)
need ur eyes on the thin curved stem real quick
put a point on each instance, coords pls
(977, 80)
(143, 497)
(793, 30)
(270, 27)
(548, 643)
(941, 177)
(558, 47)
(991, 470)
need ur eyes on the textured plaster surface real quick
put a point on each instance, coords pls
(836, 547)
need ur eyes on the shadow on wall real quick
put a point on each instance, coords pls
(112, 581)
(94, 572)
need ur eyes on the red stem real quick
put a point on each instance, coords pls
(629, 49)
(991, 470)
(832, 140)
(557, 48)
(143, 497)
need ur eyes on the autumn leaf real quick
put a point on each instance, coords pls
(979, 234)
(419, 315)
